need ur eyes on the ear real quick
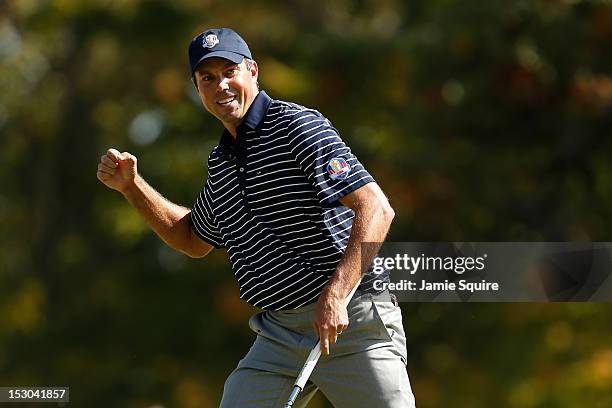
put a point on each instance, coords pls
(254, 70)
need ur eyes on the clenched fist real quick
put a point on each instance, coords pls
(117, 170)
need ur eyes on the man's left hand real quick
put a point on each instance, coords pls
(331, 318)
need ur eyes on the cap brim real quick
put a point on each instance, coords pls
(228, 55)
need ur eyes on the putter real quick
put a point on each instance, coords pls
(311, 362)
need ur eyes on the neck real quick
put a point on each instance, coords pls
(231, 129)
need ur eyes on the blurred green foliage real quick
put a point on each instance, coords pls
(482, 121)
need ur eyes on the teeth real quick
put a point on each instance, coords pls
(225, 101)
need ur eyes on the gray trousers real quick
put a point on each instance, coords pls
(366, 367)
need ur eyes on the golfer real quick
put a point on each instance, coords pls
(291, 204)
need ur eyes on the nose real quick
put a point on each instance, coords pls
(222, 84)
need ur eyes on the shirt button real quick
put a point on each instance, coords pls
(241, 169)
(242, 192)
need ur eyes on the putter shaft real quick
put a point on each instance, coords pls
(311, 362)
(294, 393)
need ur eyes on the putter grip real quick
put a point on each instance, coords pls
(309, 366)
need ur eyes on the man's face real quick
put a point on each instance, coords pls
(226, 89)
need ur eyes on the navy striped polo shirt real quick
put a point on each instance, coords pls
(271, 199)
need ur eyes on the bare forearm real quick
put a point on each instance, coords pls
(167, 219)
(119, 171)
(373, 216)
(371, 224)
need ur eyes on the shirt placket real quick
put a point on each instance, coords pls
(241, 163)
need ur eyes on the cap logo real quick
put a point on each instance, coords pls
(210, 41)
(338, 168)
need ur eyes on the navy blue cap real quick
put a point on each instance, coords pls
(217, 42)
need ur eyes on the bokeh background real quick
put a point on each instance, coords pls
(482, 120)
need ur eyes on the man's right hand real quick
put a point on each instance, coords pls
(117, 170)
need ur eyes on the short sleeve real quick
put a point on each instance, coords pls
(327, 161)
(202, 220)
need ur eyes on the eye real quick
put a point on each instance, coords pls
(206, 78)
(231, 72)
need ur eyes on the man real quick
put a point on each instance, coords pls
(291, 204)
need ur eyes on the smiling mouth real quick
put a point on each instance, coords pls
(226, 101)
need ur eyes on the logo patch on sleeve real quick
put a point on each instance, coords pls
(338, 168)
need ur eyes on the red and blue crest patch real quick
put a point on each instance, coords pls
(338, 168)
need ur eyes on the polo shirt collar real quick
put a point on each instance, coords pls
(257, 111)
